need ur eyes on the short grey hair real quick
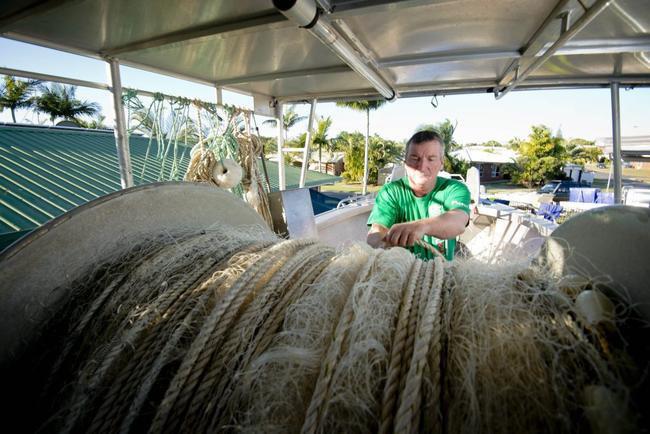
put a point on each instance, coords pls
(425, 136)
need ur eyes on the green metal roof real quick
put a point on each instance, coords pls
(292, 176)
(46, 171)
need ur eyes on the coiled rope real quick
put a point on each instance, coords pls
(236, 330)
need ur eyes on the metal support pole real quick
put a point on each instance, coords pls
(306, 15)
(121, 139)
(616, 142)
(219, 95)
(279, 117)
(566, 36)
(364, 190)
(305, 153)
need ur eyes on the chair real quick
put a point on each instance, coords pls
(550, 211)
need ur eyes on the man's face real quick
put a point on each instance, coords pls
(423, 162)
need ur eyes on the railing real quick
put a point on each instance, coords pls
(356, 200)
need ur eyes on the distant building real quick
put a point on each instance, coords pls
(488, 160)
(332, 163)
(634, 149)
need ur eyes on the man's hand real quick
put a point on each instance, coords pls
(405, 234)
(445, 226)
(376, 235)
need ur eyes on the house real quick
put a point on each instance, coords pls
(488, 160)
(331, 163)
(46, 171)
(635, 149)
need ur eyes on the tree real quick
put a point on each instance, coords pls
(289, 119)
(541, 157)
(576, 142)
(583, 151)
(96, 123)
(585, 154)
(492, 144)
(269, 145)
(364, 106)
(16, 94)
(58, 101)
(382, 152)
(353, 147)
(319, 137)
(514, 144)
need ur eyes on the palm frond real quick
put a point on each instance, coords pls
(362, 105)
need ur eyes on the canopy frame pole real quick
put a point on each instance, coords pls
(306, 15)
(565, 36)
(366, 147)
(121, 138)
(92, 84)
(616, 142)
(219, 93)
(280, 118)
(306, 153)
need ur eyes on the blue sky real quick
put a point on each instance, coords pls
(584, 113)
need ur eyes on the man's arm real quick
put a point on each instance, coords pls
(445, 226)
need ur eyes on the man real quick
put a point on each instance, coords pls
(421, 205)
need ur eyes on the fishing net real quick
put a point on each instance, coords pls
(167, 124)
(190, 140)
(236, 330)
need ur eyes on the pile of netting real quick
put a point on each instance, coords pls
(237, 330)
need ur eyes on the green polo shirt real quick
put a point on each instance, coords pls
(396, 203)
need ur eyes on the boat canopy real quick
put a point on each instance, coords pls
(292, 51)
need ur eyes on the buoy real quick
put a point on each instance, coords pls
(227, 173)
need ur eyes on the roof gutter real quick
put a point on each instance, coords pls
(306, 14)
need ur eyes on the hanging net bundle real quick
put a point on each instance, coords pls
(236, 330)
(193, 134)
(230, 160)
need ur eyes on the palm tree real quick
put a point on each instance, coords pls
(58, 101)
(364, 106)
(96, 123)
(289, 119)
(319, 137)
(15, 94)
(446, 130)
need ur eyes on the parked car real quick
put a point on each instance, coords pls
(560, 189)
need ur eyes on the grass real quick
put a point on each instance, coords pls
(505, 187)
(639, 176)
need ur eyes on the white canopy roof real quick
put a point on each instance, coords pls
(408, 47)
